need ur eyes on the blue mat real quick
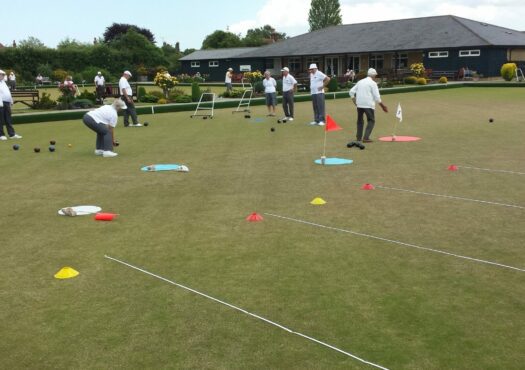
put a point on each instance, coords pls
(334, 161)
(161, 167)
(258, 120)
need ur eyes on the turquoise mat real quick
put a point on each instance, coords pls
(161, 167)
(334, 161)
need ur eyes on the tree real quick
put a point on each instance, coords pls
(262, 35)
(31, 42)
(135, 49)
(324, 13)
(220, 40)
(117, 30)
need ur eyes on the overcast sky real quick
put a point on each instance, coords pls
(190, 21)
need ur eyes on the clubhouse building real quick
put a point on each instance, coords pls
(442, 43)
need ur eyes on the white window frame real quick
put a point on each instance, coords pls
(438, 54)
(469, 53)
(196, 64)
(213, 63)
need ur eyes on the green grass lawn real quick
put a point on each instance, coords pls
(399, 307)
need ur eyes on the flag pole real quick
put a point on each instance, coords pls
(324, 148)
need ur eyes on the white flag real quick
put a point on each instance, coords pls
(399, 113)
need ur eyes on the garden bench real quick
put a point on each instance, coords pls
(451, 75)
(113, 91)
(25, 96)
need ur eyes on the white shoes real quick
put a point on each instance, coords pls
(109, 154)
(289, 118)
(313, 123)
(137, 125)
(15, 136)
(320, 123)
(3, 138)
(99, 152)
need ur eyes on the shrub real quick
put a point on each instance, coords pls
(157, 94)
(141, 93)
(45, 102)
(182, 99)
(165, 81)
(254, 76)
(176, 92)
(235, 93)
(279, 87)
(82, 104)
(59, 75)
(421, 81)
(508, 71)
(333, 85)
(88, 95)
(162, 101)
(206, 97)
(385, 83)
(418, 69)
(410, 80)
(258, 87)
(195, 91)
(148, 98)
(443, 80)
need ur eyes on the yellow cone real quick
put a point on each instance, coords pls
(66, 273)
(318, 202)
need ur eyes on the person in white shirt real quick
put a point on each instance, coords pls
(6, 101)
(126, 94)
(228, 79)
(365, 95)
(12, 80)
(318, 81)
(103, 120)
(100, 85)
(289, 88)
(270, 91)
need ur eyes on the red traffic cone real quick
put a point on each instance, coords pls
(254, 217)
(105, 216)
(452, 167)
(367, 187)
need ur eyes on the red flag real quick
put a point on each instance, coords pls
(331, 125)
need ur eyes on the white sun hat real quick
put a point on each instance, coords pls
(313, 66)
(372, 72)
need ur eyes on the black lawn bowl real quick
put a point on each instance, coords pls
(272, 129)
(52, 142)
(491, 120)
(146, 124)
(51, 148)
(351, 144)
(360, 146)
(117, 143)
(247, 116)
(37, 150)
(16, 147)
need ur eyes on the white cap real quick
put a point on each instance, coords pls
(313, 66)
(230, 69)
(285, 69)
(128, 73)
(372, 72)
(2, 72)
(99, 73)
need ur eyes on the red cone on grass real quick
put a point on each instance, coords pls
(452, 167)
(254, 217)
(105, 216)
(331, 125)
(367, 187)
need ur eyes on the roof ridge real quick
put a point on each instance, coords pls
(455, 18)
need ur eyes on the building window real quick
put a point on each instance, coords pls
(294, 64)
(196, 64)
(353, 63)
(376, 61)
(268, 64)
(213, 63)
(438, 54)
(312, 60)
(469, 53)
(401, 61)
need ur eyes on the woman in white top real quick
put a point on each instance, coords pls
(102, 120)
(271, 93)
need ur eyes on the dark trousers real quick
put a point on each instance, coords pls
(104, 137)
(5, 119)
(101, 93)
(129, 112)
(288, 103)
(370, 119)
(318, 104)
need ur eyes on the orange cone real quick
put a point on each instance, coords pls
(254, 217)
(452, 167)
(105, 216)
(367, 187)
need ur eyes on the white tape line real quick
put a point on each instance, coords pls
(491, 170)
(450, 197)
(246, 312)
(395, 242)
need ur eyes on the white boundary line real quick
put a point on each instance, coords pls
(396, 242)
(450, 197)
(491, 170)
(246, 312)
